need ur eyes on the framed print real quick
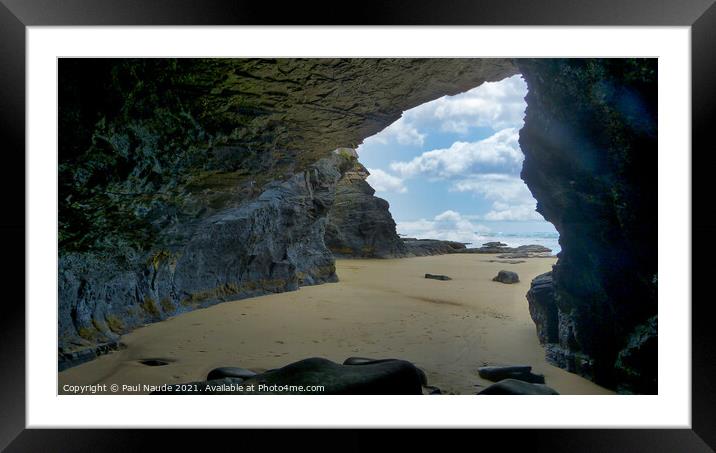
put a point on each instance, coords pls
(416, 216)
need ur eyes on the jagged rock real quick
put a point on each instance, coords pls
(515, 387)
(425, 247)
(506, 277)
(365, 361)
(102, 297)
(390, 377)
(494, 244)
(230, 372)
(519, 372)
(437, 277)
(359, 223)
(639, 360)
(589, 162)
(543, 308)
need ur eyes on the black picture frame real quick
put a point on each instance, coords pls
(16, 15)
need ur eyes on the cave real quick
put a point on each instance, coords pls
(168, 164)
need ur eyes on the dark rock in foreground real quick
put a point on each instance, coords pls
(230, 372)
(506, 277)
(437, 277)
(555, 329)
(519, 372)
(384, 377)
(367, 361)
(515, 387)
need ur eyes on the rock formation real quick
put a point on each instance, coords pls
(183, 182)
(590, 143)
(359, 223)
(426, 247)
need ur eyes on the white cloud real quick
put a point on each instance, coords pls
(497, 105)
(494, 105)
(495, 186)
(400, 131)
(516, 213)
(511, 199)
(499, 152)
(449, 225)
(382, 181)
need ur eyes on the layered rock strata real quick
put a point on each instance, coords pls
(359, 223)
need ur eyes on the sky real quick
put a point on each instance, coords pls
(450, 168)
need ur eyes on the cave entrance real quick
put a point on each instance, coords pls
(448, 170)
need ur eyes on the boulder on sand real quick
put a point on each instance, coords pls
(515, 387)
(519, 372)
(230, 372)
(322, 377)
(366, 361)
(506, 277)
(437, 277)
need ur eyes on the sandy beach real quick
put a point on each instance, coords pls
(379, 309)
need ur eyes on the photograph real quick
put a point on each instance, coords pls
(357, 226)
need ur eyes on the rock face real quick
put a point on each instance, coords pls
(543, 309)
(239, 252)
(589, 140)
(359, 223)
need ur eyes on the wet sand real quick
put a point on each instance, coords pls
(380, 309)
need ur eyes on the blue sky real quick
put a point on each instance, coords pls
(450, 168)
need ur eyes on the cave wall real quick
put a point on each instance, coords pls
(185, 182)
(590, 145)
